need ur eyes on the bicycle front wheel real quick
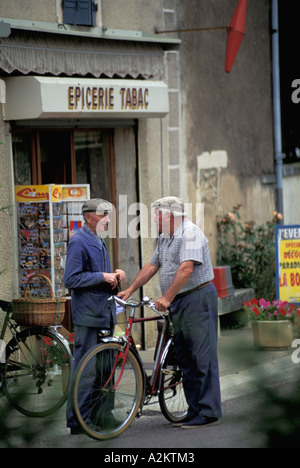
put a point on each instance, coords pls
(36, 373)
(172, 400)
(107, 391)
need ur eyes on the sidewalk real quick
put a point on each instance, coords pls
(241, 364)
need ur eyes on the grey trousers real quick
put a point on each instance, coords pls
(195, 321)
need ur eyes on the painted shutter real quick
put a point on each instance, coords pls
(79, 12)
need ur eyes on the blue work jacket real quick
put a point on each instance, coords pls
(87, 260)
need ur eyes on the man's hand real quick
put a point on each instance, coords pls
(124, 294)
(142, 278)
(111, 278)
(121, 275)
(162, 304)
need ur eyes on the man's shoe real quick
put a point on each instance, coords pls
(183, 421)
(76, 430)
(200, 421)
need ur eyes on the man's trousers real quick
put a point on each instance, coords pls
(195, 321)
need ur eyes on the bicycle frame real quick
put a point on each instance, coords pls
(7, 309)
(152, 386)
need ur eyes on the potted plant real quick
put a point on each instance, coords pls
(272, 322)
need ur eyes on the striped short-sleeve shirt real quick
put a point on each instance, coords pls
(187, 243)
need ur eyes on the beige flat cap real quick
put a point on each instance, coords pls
(170, 203)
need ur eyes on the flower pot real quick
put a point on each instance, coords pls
(273, 334)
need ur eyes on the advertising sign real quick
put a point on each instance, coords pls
(287, 239)
(33, 97)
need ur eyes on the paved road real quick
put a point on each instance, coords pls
(244, 411)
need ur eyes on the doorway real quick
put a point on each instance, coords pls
(67, 156)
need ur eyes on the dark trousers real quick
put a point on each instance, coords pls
(195, 321)
(85, 339)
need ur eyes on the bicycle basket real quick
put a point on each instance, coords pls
(36, 311)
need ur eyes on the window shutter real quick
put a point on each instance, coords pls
(79, 12)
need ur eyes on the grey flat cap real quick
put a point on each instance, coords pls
(96, 204)
(170, 203)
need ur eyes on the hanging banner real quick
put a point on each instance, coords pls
(287, 239)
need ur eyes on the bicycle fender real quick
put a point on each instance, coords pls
(19, 336)
(110, 339)
(165, 352)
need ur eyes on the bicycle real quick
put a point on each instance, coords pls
(111, 386)
(35, 368)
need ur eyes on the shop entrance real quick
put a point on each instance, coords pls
(106, 159)
(59, 156)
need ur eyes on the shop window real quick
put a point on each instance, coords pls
(65, 157)
(22, 150)
(93, 162)
(55, 157)
(79, 12)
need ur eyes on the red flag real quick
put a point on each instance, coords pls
(235, 34)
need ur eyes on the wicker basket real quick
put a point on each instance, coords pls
(30, 311)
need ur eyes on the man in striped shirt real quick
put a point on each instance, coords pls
(183, 259)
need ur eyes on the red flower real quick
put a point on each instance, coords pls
(256, 310)
(70, 337)
(254, 301)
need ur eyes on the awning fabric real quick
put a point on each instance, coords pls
(41, 53)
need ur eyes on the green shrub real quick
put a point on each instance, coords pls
(250, 252)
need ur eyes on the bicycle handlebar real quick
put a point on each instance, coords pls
(146, 301)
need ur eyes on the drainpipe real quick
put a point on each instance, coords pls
(277, 107)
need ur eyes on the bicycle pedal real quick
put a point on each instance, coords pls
(167, 371)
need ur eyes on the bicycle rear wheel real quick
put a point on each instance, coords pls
(172, 400)
(107, 392)
(35, 379)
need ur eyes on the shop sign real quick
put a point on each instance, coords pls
(32, 97)
(287, 240)
(74, 192)
(31, 193)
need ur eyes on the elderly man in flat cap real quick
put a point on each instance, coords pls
(88, 275)
(186, 274)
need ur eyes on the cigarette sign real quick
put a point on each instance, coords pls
(288, 263)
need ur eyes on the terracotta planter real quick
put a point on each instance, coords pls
(273, 334)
